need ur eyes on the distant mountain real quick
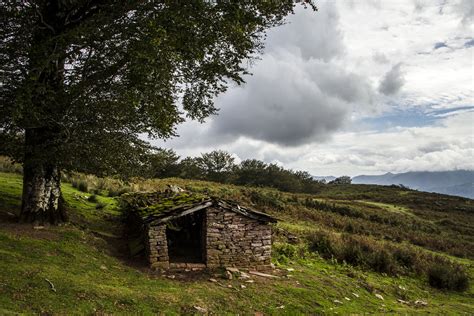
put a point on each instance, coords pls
(458, 182)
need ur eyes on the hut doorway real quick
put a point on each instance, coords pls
(186, 239)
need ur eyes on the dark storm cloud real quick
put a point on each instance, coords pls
(440, 45)
(281, 105)
(469, 43)
(297, 93)
(393, 81)
(290, 101)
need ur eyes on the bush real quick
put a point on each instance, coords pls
(269, 199)
(284, 252)
(100, 205)
(352, 253)
(118, 192)
(319, 242)
(382, 261)
(448, 277)
(92, 198)
(83, 186)
(7, 165)
(405, 259)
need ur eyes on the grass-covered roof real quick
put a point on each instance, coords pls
(158, 204)
(161, 206)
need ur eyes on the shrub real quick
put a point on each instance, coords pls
(382, 261)
(92, 198)
(112, 193)
(83, 186)
(119, 191)
(283, 252)
(269, 199)
(7, 165)
(319, 242)
(351, 253)
(80, 184)
(405, 259)
(448, 276)
(100, 205)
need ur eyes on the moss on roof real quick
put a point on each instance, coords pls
(154, 204)
(151, 206)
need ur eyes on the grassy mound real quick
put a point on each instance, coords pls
(83, 267)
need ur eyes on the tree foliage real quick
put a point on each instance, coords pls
(163, 163)
(341, 180)
(93, 76)
(82, 81)
(216, 165)
(220, 166)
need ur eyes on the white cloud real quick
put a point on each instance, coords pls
(319, 77)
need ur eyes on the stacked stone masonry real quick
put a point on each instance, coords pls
(235, 240)
(230, 239)
(157, 247)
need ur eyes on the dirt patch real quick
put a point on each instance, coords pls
(185, 276)
(27, 230)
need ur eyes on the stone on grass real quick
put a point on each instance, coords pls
(379, 296)
(200, 309)
(265, 275)
(421, 303)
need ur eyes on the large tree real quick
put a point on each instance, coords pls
(81, 80)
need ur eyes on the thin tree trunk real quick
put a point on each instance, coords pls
(41, 201)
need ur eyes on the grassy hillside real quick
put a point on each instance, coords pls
(339, 251)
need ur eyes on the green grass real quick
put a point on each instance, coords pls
(85, 261)
(390, 207)
(10, 187)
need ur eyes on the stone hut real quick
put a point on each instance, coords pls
(183, 230)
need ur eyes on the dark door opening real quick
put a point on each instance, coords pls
(185, 238)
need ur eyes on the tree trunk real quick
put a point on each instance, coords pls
(41, 201)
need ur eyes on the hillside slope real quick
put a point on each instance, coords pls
(82, 267)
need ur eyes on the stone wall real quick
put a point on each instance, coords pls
(236, 240)
(157, 247)
(230, 239)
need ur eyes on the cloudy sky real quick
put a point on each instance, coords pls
(359, 87)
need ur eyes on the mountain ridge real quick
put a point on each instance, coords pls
(455, 182)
